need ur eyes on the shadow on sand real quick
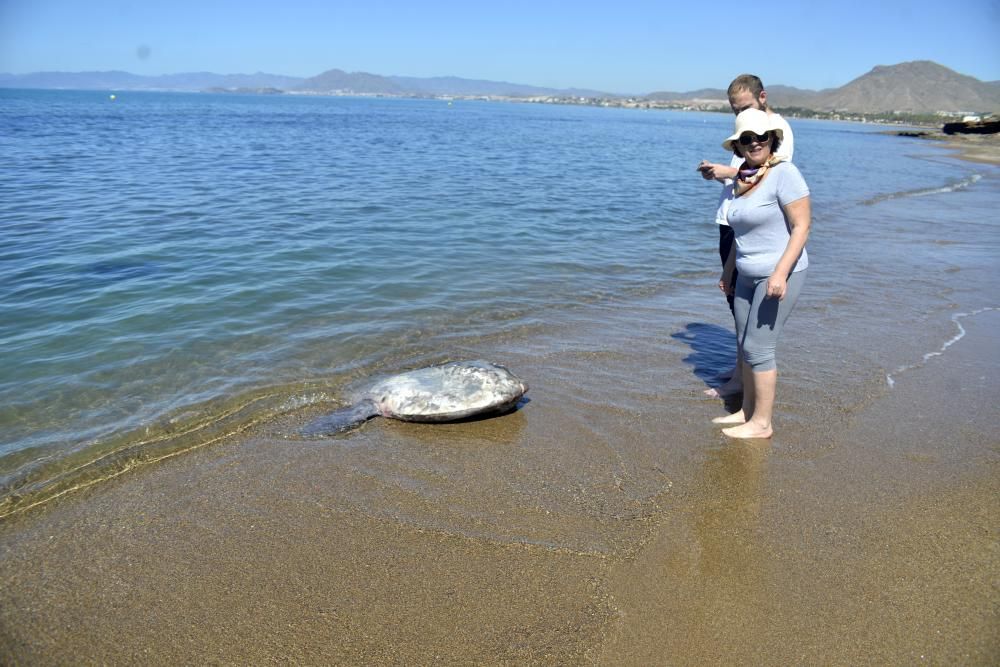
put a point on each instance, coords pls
(713, 349)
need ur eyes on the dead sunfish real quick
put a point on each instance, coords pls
(444, 393)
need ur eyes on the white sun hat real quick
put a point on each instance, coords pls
(752, 120)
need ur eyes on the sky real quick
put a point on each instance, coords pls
(622, 46)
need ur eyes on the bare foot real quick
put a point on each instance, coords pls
(748, 430)
(731, 388)
(735, 418)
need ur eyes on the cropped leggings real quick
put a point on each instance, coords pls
(759, 320)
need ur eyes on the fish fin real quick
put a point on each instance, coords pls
(341, 420)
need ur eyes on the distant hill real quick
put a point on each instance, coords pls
(453, 85)
(362, 83)
(334, 81)
(357, 83)
(789, 96)
(920, 87)
(701, 94)
(776, 95)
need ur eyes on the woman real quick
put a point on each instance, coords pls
(745, 92)
(770, 217)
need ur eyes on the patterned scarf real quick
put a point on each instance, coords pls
(748, 178)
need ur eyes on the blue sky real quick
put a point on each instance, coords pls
(623, 47)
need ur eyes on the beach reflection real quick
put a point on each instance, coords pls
(726, 524)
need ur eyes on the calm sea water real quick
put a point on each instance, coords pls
(177, 267)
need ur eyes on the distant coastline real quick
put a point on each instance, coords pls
(912, 93)
(929, 123)
(926, 120)
(244, 91)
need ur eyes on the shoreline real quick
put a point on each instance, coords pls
(605, 522)
(979, 148)
(857, 535)
(982, 148)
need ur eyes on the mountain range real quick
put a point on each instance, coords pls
(911, 87)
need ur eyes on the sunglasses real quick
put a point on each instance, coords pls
(748, 138)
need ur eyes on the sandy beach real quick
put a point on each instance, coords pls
(605, 522)
(818, 547)
(984, 148)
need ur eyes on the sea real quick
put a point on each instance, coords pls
(177, 268)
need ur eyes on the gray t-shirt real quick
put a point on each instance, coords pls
(761, 230)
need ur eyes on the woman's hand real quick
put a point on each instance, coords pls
(726, 283)
(776, 286)
(799, 216)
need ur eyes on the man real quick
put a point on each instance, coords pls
(745, 92)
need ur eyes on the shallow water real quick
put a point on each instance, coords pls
(177, 268)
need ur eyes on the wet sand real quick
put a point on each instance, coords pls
(983, 148)
(866, 535)
(883, 550)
